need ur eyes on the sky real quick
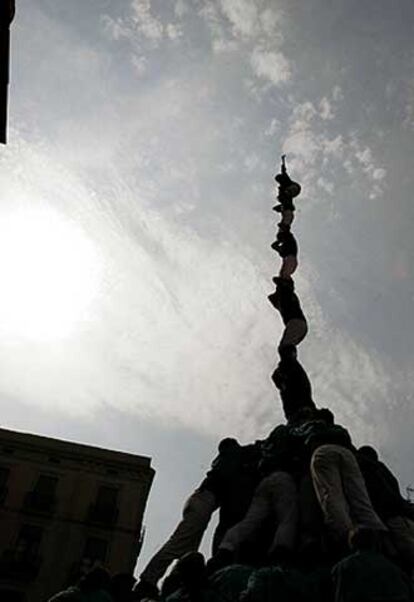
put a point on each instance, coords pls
(136, 223)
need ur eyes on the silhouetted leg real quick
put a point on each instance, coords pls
(288, 215)
(258, 512)
(284, 502)
(402, 535)
(311, 518)
(341, 491)
(286, 246)
(294, 333)
(327, 479)
(285, 300)
(186, 537)
(360, 506)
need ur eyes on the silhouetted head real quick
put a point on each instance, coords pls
(288, 352)
(326, 415)
(305, 414)
(228, 444)
(121, 585)
(189, 572)
(294, 189)
(97, 578)
(143, 589)
(364, 539)
(368, 452)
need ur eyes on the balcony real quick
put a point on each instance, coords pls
(39, 503)
(21, 567)
(102, 514)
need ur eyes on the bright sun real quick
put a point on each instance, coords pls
(49, 275)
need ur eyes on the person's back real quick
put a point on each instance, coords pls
(75, 594)
(367, 576)
(383, 487)
(294, 386)
(98, 595)
(71, 594)
(196, 515)
(318, 432)
(278, 451)
(235, 488)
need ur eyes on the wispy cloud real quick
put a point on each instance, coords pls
(312, 144)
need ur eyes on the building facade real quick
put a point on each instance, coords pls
(65, 507)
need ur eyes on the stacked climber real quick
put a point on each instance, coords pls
(304, 515)
(289, 377)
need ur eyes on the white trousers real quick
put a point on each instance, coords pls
(341, 491)
(187, 536)
(276, 496)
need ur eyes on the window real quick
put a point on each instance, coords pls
(107, 496)
(46, 485)
(54, 460)
(42, 498)
(28, 542)
(21, 562)
(4, 477)
(95, 549)
(105, 510)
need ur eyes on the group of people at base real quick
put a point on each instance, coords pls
(98, 586)
(364, 575)
(303, 511)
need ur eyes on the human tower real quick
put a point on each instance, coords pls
(304, 516)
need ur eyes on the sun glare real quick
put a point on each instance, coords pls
(49, 275)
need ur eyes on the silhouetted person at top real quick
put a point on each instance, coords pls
(285, 244)
(7, 11)
(288, 190)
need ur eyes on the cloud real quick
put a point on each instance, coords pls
(273, 127)
(115, 29)
(253, 31)
(326, 109)
(173, 31)
(272, 66)
(250, 20)
(141, 25)
(379, 173)
(140, 64)
(313, 148)
(145, 22)
(181, 8)
(242, 14)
